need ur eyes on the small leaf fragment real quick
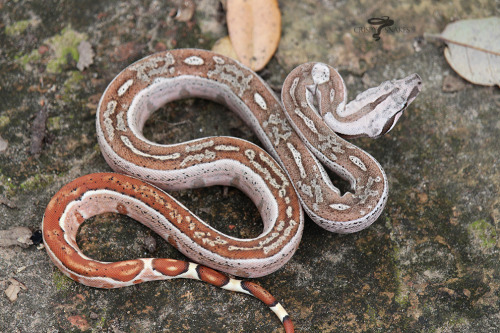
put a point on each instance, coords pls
(17, 236)
(223, 46)
(185, 11)
(255, 30)
(13, 289)
(473, 49)
(86, 55)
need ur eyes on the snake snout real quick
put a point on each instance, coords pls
(412, 86)
(415, 82)
(414, 78)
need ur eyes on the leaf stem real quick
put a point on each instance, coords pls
(428, 36)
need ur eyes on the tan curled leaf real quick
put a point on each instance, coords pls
(255, 29)
(474, 49)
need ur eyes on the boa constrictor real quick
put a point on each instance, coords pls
(299, 132)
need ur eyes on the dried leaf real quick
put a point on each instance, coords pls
(255, 29)
(17, 236)
(185, 11)
(14, 288)
(473, 49)
(223, 46)
(86, 55)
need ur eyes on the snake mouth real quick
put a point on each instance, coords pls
(415, 81)
(392, 122)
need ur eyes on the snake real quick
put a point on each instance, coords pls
(302, 133)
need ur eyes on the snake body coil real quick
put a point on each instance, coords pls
(299, 132)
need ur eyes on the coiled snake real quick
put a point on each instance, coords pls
(299, 133)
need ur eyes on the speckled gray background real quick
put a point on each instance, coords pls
(429, 264)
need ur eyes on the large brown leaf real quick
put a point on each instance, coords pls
(255, 29)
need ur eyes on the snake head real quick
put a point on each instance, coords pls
(402, 93)
(375, 111)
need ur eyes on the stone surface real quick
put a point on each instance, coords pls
(431, 261)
